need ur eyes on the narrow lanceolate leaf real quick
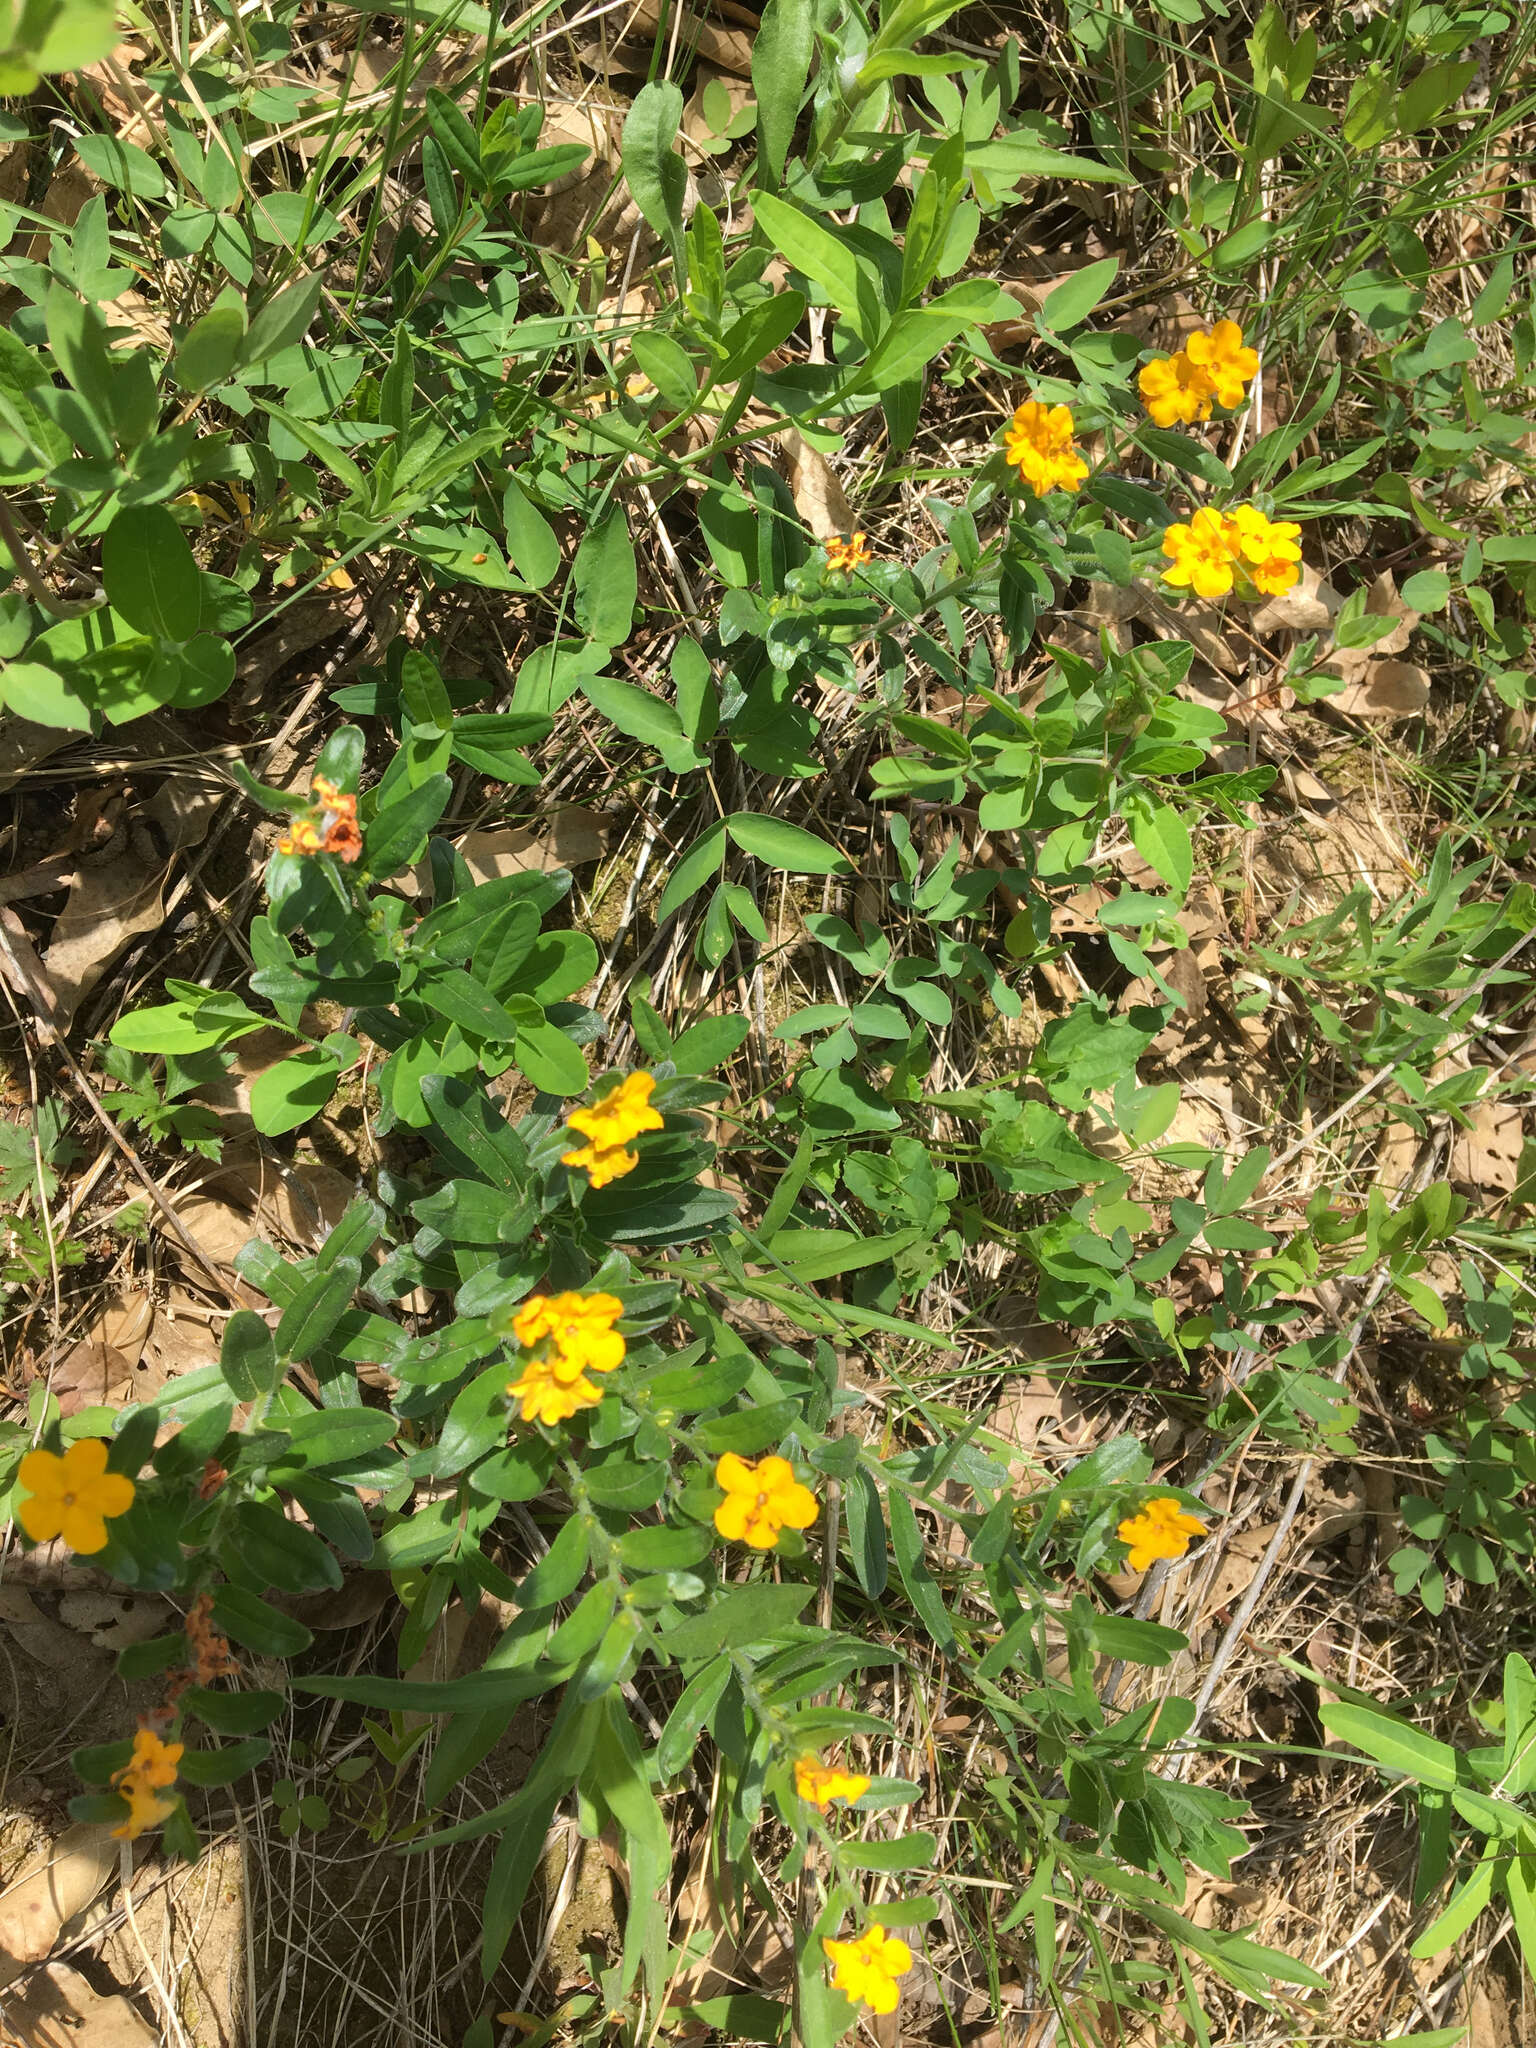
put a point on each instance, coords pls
(781, 64)
(922, 1589)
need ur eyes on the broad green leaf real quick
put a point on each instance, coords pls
(654, 172)
(248, 1356)
(606, 580)
(1070, 303)
(827, 259)
(209, 349)
(759, 1613)
(1012, 157)
(292, 1091)
(150, 575)
(316, 1309)
(784, 846)
(698, 865)
(531, 541)
(1161, 837)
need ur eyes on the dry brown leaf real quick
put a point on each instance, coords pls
(1381, 602)
(219, 1228)
(114, 1620)
(1307, 607)
(183, 808)
(574, 835)
(1041, 1414)
(60, 2009)
(292, 633)
(695, 123)
(1387, 689)
(108, 907)
(1236, 1570)
(1487, 1156)
(44, 1640)
(53, 1886)
(23, 745)
(818, 495)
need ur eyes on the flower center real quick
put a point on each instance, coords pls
(69, 1500)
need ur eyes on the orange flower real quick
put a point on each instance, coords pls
(868, 1970)
(152, 1766)
(73, 1496)
(844, 556)
(1221, 356)
(1039, 445)
(1203, 555)
(1162, 1529)
(608, 1125)
(564, 1337)
(1174, 391)
(761, 1501)
(820, 1783)
(330, 826)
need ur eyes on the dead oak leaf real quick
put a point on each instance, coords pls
(108, 908)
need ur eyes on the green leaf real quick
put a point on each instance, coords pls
(292, 1091)
(1161, 837)
(316, 1309)
(398, 833)
(913, 1851)
(1448, 1927)
(827, 259)
(250, 1621)
(198, 1020)
(781, 64)
(210, 347)
(922, 1590)
(1393, 1743)
(531, 540)
(248, 1357)
(551, 1061)
(699, 864)
(784, 846)
(606, 580)
(150, 575)
(746, 1615)
(42, 695)
(655, 174)
(223, 1766)
(1069, 305)
(1012, 157)
(233, 1713)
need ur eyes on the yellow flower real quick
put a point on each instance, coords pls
(152, 1765)
(1162, 1529)
(566, 1336)
(153, 1761)
(843, 556)
(867, 1970)
(1039, 445)
(822, 1783)
(1222, 357)
(73, 1496)
(1270, 549)
(1174, 391)
(1204, 554)
(761, 1501)
(608, 1125)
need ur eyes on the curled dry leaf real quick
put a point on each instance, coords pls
(1387, 689)
(1309, 606)
(574, 834)
(60, 2009)
(56, 1884)
(108, 908)
(23, 745)
(1486, 1157)
(818, 496)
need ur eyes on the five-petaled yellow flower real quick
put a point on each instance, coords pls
(564, 1337)
(1243, 548)
(1211, 368)
(1203, 555)
(1039, 445)
(844, 556)
(608, 1125)
(1162, 1529)
(73, 1496)
(1270, 550)
(152, 1766)
(868, 1970)
(821, 1783)
(761, 1501)
(1224, 361)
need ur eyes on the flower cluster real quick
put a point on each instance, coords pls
(1217, 551)
(73, 1496)
(1039, 445)
(868, 1970)
(328, 826)
(844, 556)
(564, 1337)
(623, 1113)
(761, 1501)
(820, 1783)
(1162, 1529)
(1212, 368)
(141, 1781)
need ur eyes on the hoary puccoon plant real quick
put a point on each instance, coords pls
(688, 1495)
